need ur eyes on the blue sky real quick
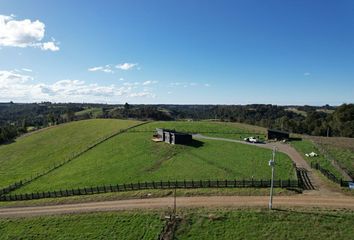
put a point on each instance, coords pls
(184, 52)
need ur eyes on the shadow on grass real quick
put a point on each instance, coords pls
(294, 139)
(194, 143)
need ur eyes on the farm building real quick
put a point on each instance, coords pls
(172, 137)
(277, 134)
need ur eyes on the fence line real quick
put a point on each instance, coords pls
(153, 185)
(330, 175)
(339, 166)
(71, 157)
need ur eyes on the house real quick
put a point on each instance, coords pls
(171, 136)
(277, 135)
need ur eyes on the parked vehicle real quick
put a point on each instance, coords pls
(251, 140)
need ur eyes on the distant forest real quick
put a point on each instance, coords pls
(19, 118)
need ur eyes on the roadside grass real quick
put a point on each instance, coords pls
(151, 193)
(215, 129)
(38, 151)
(111, 225)
(306, 146)
(200, 223)
(264, 224)
(133, 157)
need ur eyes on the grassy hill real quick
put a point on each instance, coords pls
(133, 157)
(217, 129)
(39, 150)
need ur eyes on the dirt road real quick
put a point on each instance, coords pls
(183, 202)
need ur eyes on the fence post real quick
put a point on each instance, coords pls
(243, 182)
(118, 187)
(289, 182)
(184, 183)
(225, 183)
(192, 183)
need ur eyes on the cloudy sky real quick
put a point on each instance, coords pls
(185, 51)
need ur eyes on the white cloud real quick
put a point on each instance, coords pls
(26, 69)
(188, 84)
(121, 79)
(126, 66)
(23, 33)
(49, 46)
(307, 74)
(130, 84)
(149, 82)
(142, 94)
(21, 87)
(106, 69)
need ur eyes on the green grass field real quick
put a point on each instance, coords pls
(195, 224)
(120, 225)
(262, 224)
(306, 146)
(339, 149)
(94, 112)
(133, 157)
(216, 129)
(39, 150)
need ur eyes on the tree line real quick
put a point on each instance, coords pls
(18, 118)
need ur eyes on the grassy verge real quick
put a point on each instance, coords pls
(118, 225)
(150, 194)
(262, 224)
(194, 224)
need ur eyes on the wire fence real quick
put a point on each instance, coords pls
(154, 185)
(330, 175)
(337, 164)
(71, 157)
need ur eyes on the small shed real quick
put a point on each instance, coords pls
(172, 136)
(277, 135)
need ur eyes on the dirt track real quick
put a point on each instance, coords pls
(189, 202)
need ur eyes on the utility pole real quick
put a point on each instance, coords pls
(272, 165)
(175, 203)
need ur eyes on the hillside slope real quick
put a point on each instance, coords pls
(36, 152)
(133, 157)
